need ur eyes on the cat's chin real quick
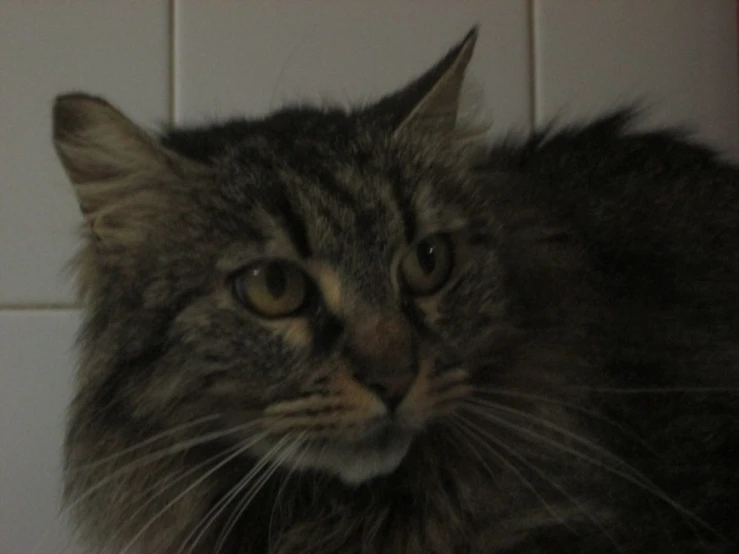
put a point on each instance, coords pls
(358, 462)
(356, 468)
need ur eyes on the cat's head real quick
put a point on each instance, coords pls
(314, 289)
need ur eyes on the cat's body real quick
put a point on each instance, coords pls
(555, 369)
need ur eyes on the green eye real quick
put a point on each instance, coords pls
(271, 288)
(428, 266)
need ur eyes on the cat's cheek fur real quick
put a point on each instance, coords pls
(471, 317)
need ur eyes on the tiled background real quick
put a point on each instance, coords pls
(190, 60)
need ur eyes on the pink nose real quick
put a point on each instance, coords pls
(384, 347)
(382, 337)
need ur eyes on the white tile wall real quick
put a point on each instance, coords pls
(679, 56)
(107, 47)
(254, 56)
(36, 362)
(534, 60)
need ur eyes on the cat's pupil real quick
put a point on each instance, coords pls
(426, 255)
(276, 280)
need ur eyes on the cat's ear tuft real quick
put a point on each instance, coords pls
(104, 153)
(127, 184)
(431, 102)
(120, 173)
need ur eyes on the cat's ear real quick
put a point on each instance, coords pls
(122, 176)
(431, 102)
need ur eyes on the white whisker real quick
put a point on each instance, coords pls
(150, 457)
(199, 531)
(240, 451)
(283, 485)
(255, 488)
(154, 495)
(158, 455)
(548, 478)
(557, 402)
(548, 425)
(143, 443)
(466, 442)
(658, 390)
(638, 479)
(473, 432)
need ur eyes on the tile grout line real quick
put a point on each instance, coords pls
(533, 84)
(56, 306)
(172, 61)
(171, 115)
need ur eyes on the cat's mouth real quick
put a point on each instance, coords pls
(378, 452)
(367, 440)
(383, 436)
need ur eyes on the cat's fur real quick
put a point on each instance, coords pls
(574, 382)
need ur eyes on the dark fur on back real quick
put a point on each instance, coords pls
(575, 380)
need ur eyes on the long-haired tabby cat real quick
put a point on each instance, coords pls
(330, 331)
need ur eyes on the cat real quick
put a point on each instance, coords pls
(366, 331)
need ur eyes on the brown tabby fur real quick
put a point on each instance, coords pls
(572, 387)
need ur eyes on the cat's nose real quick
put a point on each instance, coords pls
(383, 356)
(392, 388)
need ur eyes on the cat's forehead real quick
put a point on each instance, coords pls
(331, 198)
(328, 186)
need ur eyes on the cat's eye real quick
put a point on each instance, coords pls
(271, 288)
(428, 266)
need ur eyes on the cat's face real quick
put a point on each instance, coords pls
(318, 290)
(309, 281)
(334, 281)
(325, 286)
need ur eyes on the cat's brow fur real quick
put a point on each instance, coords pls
(577, 385)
